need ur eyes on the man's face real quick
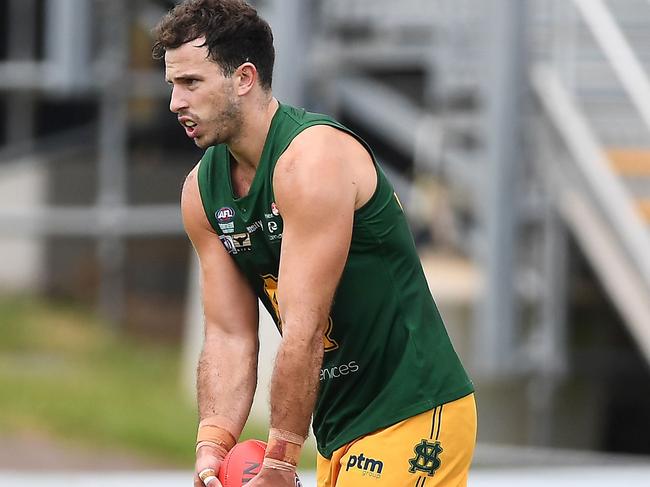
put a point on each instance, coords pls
(202, 97)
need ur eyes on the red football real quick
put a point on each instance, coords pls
(242, 463)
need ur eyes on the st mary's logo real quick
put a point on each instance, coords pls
(426, 457)
(271, 291)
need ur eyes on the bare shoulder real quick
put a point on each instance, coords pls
(326, 140)
(194, 218)
(190, 184)
(323, 156)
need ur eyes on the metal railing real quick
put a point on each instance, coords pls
(619, 53)
(600, 210)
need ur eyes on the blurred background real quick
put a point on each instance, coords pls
(516, 132)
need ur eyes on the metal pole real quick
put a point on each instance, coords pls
(550, 348)
(506, 85)
(22, 44)
(68, 43)
(113, 156)
(290, 21)
(554, 312)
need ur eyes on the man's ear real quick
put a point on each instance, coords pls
(246, 78)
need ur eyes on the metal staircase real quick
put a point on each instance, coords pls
(606, 73)
(586, 168)
(597, 100)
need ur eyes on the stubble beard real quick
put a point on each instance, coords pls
(228, 125)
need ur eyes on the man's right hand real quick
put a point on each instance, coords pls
(208, 457)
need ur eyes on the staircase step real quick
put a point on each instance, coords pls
(630, 162)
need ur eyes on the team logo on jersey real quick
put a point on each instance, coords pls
(225, 214)
(255, 226)
(271, 291)
(242, 242)
(238, 242)
(227, 227)
(328, 342)
(426, 457)
(274, 209)
(228, 243)
(274, 230)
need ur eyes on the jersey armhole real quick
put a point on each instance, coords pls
(204, 180)
(332, 123)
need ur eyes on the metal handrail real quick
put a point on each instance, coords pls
(629, 269)
(593, 165)
(92, 221)
(619, 53)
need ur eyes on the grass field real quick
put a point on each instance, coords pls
(63, 374)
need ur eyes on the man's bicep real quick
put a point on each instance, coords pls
(229, 304)
(317, 205)
(310, 270)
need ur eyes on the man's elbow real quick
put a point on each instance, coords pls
(301, 337)
(228, 341)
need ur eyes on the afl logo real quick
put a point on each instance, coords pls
(274, 209)
(225, 214)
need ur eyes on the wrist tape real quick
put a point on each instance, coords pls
(278, 465)
(212, 434)
(283, 450)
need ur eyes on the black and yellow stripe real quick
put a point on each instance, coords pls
(436, 422)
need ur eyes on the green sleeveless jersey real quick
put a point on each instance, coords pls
(387, 353)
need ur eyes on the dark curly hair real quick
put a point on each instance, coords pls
(234, 34)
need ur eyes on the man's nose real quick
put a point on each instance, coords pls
(177, 101)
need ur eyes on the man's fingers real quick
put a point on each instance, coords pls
(207, 465)
(214, 482)
(209, 479)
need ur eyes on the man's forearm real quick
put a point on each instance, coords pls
(226, 381)
(294, 384)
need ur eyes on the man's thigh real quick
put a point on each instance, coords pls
(431, 449)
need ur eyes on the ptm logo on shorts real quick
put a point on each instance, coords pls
(369, 466)
(426, 457)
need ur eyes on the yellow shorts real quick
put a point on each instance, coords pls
(434, 448)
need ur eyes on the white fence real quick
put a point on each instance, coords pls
(630, 476)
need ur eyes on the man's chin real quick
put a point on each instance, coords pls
(201, 143)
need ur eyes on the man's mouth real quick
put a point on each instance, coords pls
(189, 125)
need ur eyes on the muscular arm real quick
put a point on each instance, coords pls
(316, 192)
(227, 372)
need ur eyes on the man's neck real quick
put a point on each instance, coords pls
(247, 148)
